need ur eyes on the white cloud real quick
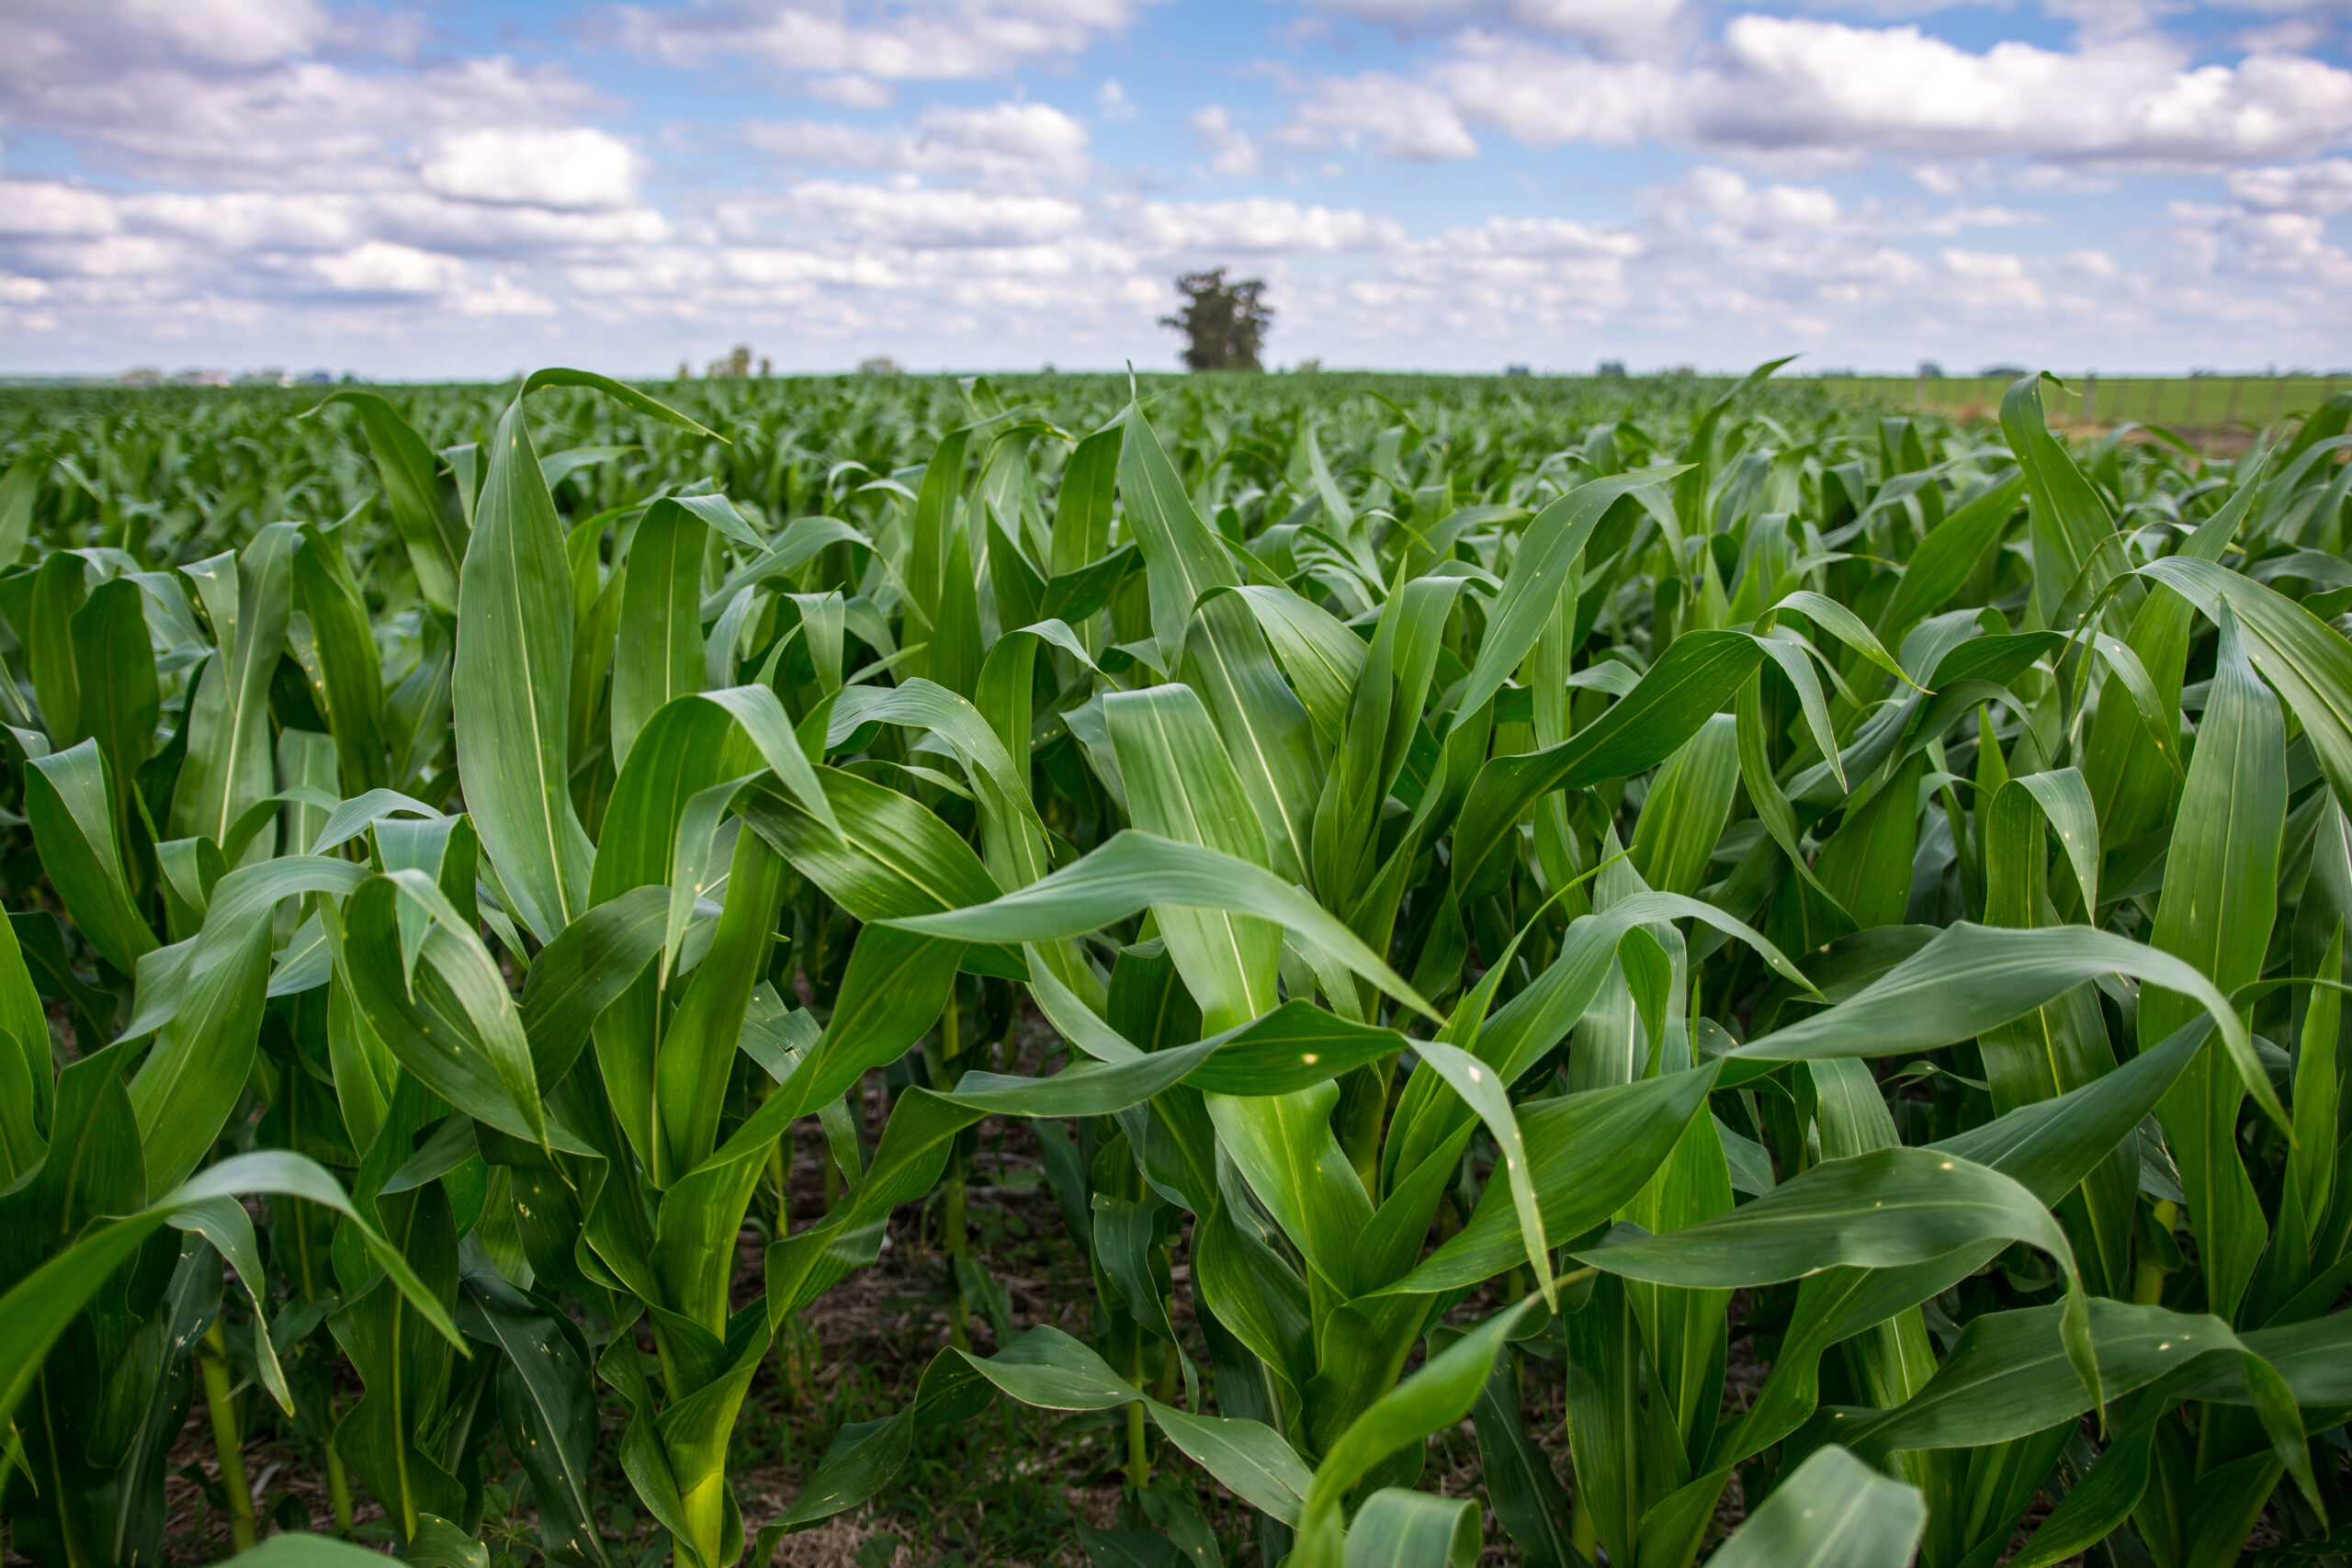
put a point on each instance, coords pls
(1111, 102)
(1728, 205)
(1793, 84)
(1544, 97)
(1990, 283)
(1016, 141)
(104, 76)
(1261, 226)
(502, 297)
(862, 51)
(577, 169)
(927, 219)
(245, 220)
(849, 90)
(2323, 188)
(1008, 143)
(51, 210)
(1613, 26)
(377, 267)
(1385, 114)
(1900, 88)
(467, 229)
(230, 32)
(826, 143)
(1231, 152)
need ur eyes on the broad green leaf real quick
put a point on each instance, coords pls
(231, 764)
(2220, 891)
(1834, 1512)
(1696, 676)
(1971, 978)
(426, 511)
(661, 651)
(37, 1309)
(1181, 558)
(1136, 869)
(512, 688)
(1438, 1395)
(1891, 1207)
(67, 800)
(1550, 547)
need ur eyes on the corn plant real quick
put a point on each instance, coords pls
(1548, 905)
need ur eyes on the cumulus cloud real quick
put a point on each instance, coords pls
(1799, 83)
(229, 32)
(1008, 143)
(1261, 226)
(854, 54)
(379, 268)
(50, 211)
(937, 219)
(1231, 153)
(236, 91)
(1381, 113)
(502, 296)
(1614, 26)
(2323, 188)
(571, 170)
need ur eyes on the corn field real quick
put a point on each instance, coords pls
(1776, 969)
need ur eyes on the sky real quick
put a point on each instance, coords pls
(404, 190)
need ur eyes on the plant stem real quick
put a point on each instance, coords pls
(2148, 1275)
(1138, 1464)
(214, 1359)
(953, 1242)
(339, 1489)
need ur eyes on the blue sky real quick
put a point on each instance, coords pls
(466, 189)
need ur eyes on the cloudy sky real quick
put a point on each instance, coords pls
(465, 187)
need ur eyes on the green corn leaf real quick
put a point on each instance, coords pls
(1181, 558)
(426, 511)
(512, 694)
(2069, 525)
(1137, 869)
(1552, 544)
(1439, 1394)
(1945, 556)
(450, 1021)
(1884, 1209)
(1834, 1512)
(1696, 676)
(1397, 1529)
(37, 1309)
(661, 651)
(1971, 978)
(350, 666)
(230, 765)
(67, 800)
(1045, 1367)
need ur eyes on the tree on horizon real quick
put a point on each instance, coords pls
(1224, 324)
